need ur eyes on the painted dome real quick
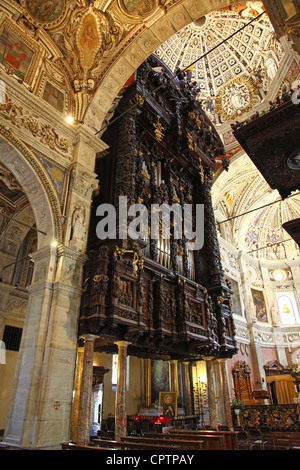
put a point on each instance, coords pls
(238, 74)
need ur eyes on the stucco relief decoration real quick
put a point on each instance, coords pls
(45, 133)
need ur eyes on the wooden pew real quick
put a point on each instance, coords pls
(130, 445)
(285, 439)
(71, 446)
(182, 443)
(210, 442)
(230, 437)
(4, 447)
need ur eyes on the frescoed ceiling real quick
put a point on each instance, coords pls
(65, 51)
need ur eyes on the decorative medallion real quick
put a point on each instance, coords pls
(293, 161)
(89, 40)
(90, 34)
(138, 9)
(236, 97)
(45, 13)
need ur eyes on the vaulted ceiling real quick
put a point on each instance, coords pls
(16, 219)
(252, 214)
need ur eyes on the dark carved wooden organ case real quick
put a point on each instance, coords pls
(167, 301)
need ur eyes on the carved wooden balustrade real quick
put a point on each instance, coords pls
(164, 299)
(276, 417)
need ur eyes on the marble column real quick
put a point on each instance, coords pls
(211, 393)
(179, 380)
(147, 381)
(226, 394)
(219, 393)
(86, 392)
(120, 413)
(188, 391)
(75, 409)
(173, 376)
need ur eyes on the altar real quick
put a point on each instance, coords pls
(150, 419)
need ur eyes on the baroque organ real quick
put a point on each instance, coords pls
(166, 300)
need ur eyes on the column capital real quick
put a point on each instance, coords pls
(88, 337)
(122, 344)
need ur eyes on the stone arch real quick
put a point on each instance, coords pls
(30, 175)
(141, 45)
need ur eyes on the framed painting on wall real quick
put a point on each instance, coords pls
(159, 379)
(15, 55)
(168, 404)
(259, 305)
(53, 88)
(235, 298)
(54, 96)
(19, 53)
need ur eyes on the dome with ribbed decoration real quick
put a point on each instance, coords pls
(238, 74)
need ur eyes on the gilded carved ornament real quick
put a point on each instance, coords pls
(159, 135)
(137, 261)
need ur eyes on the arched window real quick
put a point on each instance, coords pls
(287, 309)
